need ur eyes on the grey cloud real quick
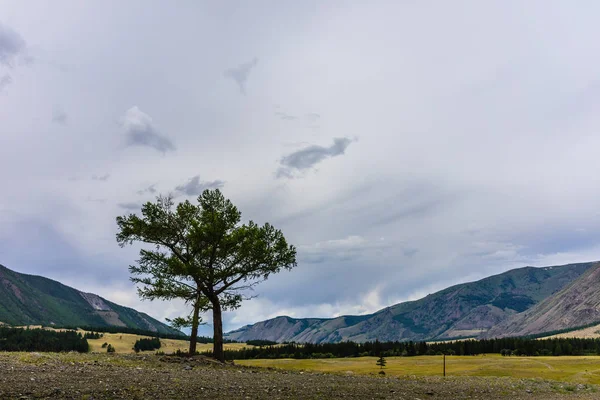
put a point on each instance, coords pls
(410, 252)
(130, 206)
(11, 45)
(339, 250)
(285, 116)
(94, 200)
(140, 131)
(102, 178)
(414, 209)
(195, 186)
(150, 189)
(59, 116)
(5, 81)
(312, 117)
(240, 74)
(27, 59)
(310, 156)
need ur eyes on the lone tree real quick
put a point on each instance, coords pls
(201, 253)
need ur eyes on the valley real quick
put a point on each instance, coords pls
(102, 377)
(493, 306)
(574, 370)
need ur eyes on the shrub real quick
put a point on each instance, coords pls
(146, 344)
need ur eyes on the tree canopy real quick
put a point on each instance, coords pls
(203, 254)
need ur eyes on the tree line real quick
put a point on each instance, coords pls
(92, 335)
(19, 339)
(121, 329)
(94, 332)
(472, 347)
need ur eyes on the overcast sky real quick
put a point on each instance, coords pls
(402, 146)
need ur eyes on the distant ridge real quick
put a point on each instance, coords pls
(464, 310)
(35, 300)
(578, 304)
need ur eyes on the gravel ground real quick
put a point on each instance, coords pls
(101, 376)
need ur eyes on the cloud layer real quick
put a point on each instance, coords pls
(476, 153)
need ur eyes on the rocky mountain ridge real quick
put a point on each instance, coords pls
(465, 310)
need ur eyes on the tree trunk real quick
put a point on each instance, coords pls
(218, 331)
(195, 323)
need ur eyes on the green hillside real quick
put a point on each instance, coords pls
(35, 300)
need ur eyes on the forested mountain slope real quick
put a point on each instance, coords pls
(33, 300)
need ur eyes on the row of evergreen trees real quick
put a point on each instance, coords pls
(141, 332)
(122, 329)
(18, 339)
(504, 346)
(93, 335)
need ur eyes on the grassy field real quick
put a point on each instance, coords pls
(570, 369)
(102, 376)
(123, 343)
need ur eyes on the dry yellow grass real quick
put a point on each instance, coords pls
(571, 369)
(593, 332)
(123, 343)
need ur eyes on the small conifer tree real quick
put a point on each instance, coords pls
(381, 361)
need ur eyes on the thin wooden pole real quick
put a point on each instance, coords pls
(444, 365)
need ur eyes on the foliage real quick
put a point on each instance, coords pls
(505, 346)
(203, 255)
(515, 302)
(92, 335)
(409, 323)
(381, 361)
(133, 331)
(110, 349)
(18, 339)
(260, 343)
(146, 344)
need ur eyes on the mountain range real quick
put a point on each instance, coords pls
(35, 300)
(521, 301)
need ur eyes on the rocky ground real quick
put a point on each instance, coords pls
(102, 376)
